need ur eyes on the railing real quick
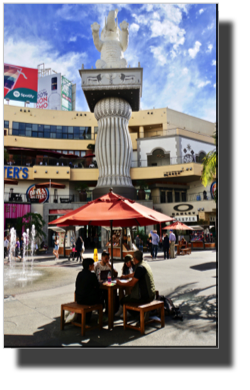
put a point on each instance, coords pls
(183, 197)
(87, 162)
(24, 198)
(162, 162)
(51, 134)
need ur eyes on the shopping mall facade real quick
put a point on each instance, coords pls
(168, 148)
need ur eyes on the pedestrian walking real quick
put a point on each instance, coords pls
(56, 247)
(6, 246)
(155, 243)
(172, 240)
(78, 248)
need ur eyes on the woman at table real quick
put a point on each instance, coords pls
(127, 273)
(183, 243)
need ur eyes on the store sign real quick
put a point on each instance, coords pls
(213, 189)
(186, 219)
(42, 194)
(183, 207)
(16, 172)
(20, 83)
(66, 94)
(49, 92)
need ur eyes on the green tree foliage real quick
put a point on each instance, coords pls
(209, 162)
(30, 219)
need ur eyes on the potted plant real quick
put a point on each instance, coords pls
(141, 192)
(82, 188)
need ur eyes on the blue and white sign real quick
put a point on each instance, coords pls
(16, 172)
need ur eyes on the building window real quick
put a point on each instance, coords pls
(96, 130)
(54, 84)
(200, 156)
(15, 125)
(183, 197)
(6, 124)
(163, 196)
(169, 196)
(158, 157)
(177, 196)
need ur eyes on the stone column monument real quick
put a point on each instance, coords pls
(112, 92)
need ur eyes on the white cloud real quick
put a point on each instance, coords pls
(210, 26)
(73, 39)
(213, 63)
(201, 11)
(133, 28)
(157, 52)
(203, 84)
(195, 50)
(185, 71)
(209, 48)
(214, 85)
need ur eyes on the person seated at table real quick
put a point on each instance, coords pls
(105, 265)
(183, 243)
(127, 273)
(142, 283)
(87, 287)
(128, 267)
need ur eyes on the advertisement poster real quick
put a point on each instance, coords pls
(20, 83)
(49, 92)
(66, 94)
(40, 194)
(213, 190)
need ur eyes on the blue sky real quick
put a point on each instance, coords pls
(174, 43)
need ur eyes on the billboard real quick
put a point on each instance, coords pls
(49, 92)
(20, 83)
(42, 194)
(66, 94)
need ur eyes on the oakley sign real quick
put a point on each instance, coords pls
(183, 207)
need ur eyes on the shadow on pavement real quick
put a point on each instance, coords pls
(199, 315)
(205, 266)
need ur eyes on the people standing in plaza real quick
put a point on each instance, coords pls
(172, 240)
(17, 248)
(56, 247)
(155, 243)
(165, 243)
(79, 242)
(137, 241)
(6, 246)
(149, 244)
(141, 245)
(87, 286)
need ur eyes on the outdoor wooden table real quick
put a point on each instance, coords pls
(110, 288)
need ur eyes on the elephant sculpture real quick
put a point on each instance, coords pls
(113, 42)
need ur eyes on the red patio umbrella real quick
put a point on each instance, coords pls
(50, 185)
(10, 181)
(112, 210)
(177, 226)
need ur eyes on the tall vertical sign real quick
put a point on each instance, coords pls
(66, 94)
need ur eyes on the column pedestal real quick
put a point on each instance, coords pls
(113, 148)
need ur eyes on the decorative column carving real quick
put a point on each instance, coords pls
(113, 144)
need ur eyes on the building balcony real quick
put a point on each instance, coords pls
(16, 197)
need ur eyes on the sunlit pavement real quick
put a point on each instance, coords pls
(32, 305)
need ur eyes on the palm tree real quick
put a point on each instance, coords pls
(210, 165)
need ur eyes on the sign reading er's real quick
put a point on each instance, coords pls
(16, 172)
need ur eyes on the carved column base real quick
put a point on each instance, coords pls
(113, 148)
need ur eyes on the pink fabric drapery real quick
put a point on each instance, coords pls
(14, 210)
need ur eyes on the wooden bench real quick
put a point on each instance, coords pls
(184, 251)
(81, 309)
(142, 309)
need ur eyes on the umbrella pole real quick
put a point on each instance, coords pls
(112, 266)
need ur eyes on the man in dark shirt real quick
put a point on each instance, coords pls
(142, 283)
(87, 286)
(165, 244)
